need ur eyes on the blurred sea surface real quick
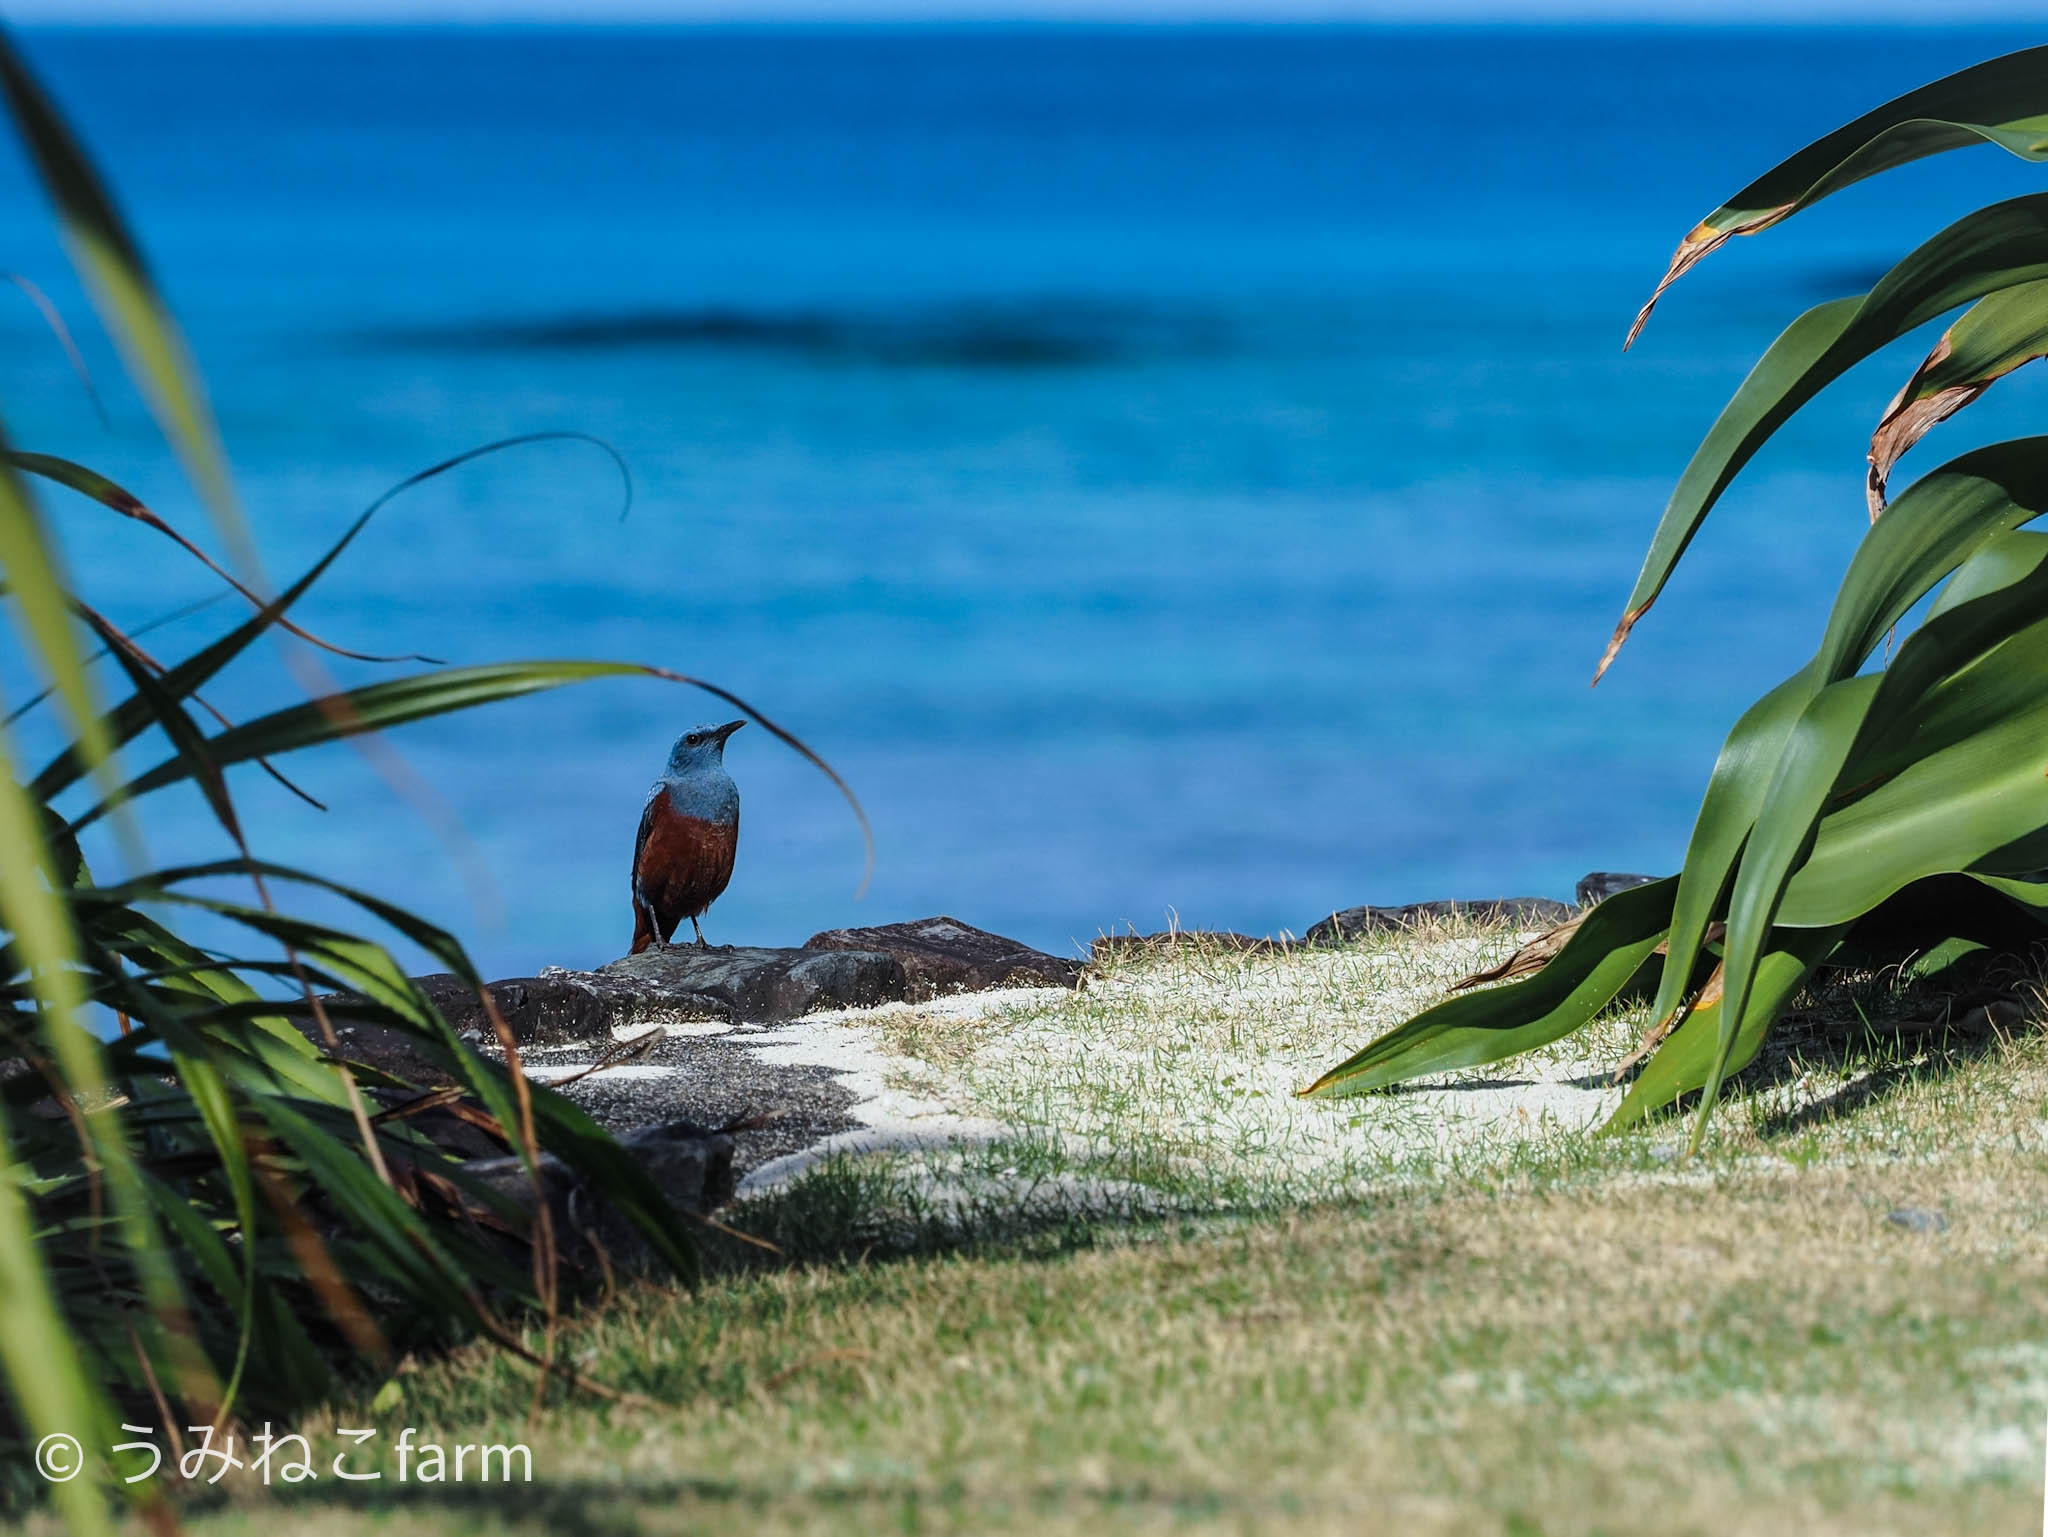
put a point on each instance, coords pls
(1165, 471)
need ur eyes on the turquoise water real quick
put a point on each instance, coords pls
(1163, 470)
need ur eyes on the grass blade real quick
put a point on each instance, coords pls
(115, 275)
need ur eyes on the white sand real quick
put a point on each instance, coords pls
(1185, 1073)
(1174, 1076)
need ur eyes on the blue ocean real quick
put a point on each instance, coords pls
(1173, 474)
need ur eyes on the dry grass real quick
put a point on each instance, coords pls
(1832, 1323)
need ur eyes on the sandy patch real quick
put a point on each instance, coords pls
(1175, 1076)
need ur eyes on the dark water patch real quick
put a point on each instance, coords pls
(1042, 335)
(1840, 278)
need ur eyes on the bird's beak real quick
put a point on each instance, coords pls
(727, 730)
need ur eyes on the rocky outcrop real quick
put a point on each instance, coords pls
(1602, 884)
(755, 985)
(943, 955)
(729, 984)
(556, 1008)
(559, 1007)
(1355, 922)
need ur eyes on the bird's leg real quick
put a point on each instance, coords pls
(700, 934)
(645, 914)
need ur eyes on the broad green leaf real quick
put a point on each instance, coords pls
(1944, 814)
(1994, 248)
(1612, 943)
(1742, 775)
(1848, 810)
(2003, 101)
(2001, 568)
(1952, 809)
(1937, 524)
(1946, 707)
(1688, 1058)
(1976, 665)
(1808, 768)
(1963, 671)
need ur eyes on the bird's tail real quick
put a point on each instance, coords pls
(643, 929)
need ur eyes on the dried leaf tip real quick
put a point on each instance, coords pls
(1908, 419)
(1614, 645)
(1700, 241)
(1528, 960)
(1919, 406)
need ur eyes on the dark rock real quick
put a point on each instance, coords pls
(1107, 945)
(943, 955)
(453, 1135)
(758, 985)
(1356, 921)
(559, 1008)
(565, 1006)
(690, 1164)
(373, 1045)
(1602, 884)
(774, 1107)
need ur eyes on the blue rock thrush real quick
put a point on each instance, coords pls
(688, 836)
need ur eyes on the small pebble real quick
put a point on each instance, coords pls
(1918, 1219)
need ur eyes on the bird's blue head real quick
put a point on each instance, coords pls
(699, 748)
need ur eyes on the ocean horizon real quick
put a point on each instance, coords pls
(1173, 473)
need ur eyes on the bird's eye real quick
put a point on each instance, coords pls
(693, 739)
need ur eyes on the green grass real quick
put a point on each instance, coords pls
(1135, 1311)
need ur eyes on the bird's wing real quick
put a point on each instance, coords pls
(640, 838)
